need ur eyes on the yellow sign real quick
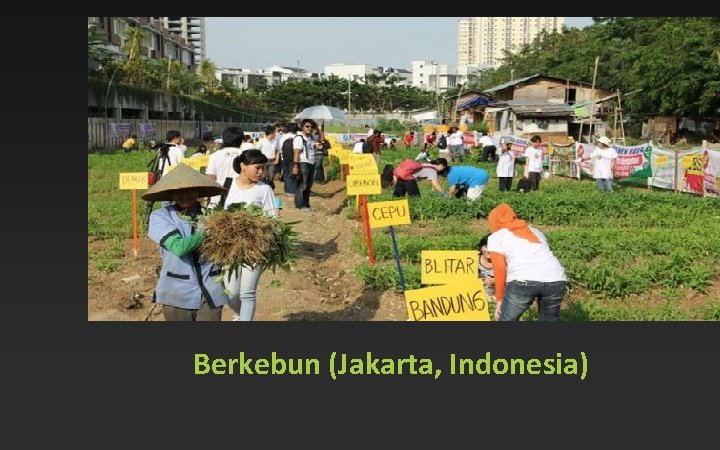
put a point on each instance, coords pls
(363, 184)
(661, 160)
(335, 151)
(195, 163)
(204, 160)
(134, 180)
(384, 214)
(344, 156)
(447, 266)
(362, 164)
(451, 302)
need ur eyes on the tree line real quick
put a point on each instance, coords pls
(671, 63)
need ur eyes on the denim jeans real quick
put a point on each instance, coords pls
(302, 192)
(604, 184)
(243, 289)
(519, 295)
(289, 182)
(319, 169)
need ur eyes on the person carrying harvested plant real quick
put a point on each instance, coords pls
(189, 286)
(249, 190)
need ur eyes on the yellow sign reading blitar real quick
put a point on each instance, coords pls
(448, 266)
(133, 180)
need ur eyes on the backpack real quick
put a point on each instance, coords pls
(406, 169)
(287, 149)
(442, 142)
(366, 147)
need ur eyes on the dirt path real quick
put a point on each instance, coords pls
(321, 285)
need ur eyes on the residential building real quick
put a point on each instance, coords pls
(158, 41)
(482, 40)
(359, 72)
(286, 73)
(431, 76)
(192, 29)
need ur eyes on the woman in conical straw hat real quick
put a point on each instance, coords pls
(524, 267)
(189, 288)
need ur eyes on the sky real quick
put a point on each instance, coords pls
(314, 42)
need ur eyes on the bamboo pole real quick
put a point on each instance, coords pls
(592, 101)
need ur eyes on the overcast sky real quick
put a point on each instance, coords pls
(314, 42)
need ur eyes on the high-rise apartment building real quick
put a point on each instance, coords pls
(192, 29)
(482, 40)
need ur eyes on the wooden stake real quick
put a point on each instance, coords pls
(135, 223)
(592, 101)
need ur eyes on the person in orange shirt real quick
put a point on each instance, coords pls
(524, 266)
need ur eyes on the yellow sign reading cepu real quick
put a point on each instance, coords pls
(384, 214)
(451, 302)
(362, 164)
(134, 180)
(448, 266)
(363, 184)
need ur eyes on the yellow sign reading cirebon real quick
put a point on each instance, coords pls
(385, 214)
(133, 180)
(465, 301)
(361, 164)
(363, 184)
(448, 266)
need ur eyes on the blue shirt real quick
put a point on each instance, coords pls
(469, 176)
(183, 281)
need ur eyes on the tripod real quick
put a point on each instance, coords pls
(157, 166)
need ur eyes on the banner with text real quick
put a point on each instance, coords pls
(117, 130)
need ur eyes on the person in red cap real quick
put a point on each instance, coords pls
(524, 267)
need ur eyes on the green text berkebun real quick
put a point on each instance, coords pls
(368, 364)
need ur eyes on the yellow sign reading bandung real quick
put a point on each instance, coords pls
(363, 184)
(134, 180)
(384, 214)
(362, 164)
(447, 266)
(451, 302)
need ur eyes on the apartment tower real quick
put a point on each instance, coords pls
(190, 28)
(482, 40)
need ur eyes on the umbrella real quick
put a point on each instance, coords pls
(321, 112)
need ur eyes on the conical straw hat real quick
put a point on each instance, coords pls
(182, 177)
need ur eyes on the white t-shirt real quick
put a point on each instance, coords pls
(268, 148)
(307, 153)
(456, 138)
(602, 159)
(486, 141)
(533, 161)
(246, 146)
(505, 165)
(220, 164)
(526, 261)
(259, 194)
(357, 148)
(175, 154)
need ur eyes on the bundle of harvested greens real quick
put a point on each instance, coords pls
(243, 235)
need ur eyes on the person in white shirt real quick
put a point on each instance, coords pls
(248, 189)
(304, 164)
(455, 142)
(488, 148)
(522, 259)
(358, 147)
(533, 163)
(247, 143)
(174, 150)
(505, 168)
(268, 147)
(220, 164)
(604, 157)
